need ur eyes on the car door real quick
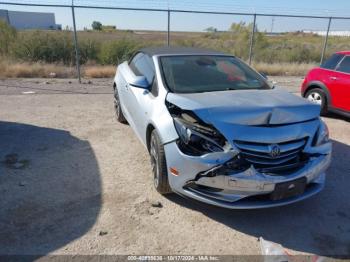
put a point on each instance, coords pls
(326, 74)
(340, 90)
(140, 99)
(124, 92)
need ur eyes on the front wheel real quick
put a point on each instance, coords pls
(118, 110)
(158, 162)
(317, 96)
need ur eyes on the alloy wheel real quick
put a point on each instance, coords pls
(315, 98)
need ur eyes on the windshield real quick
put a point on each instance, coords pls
(208, 73)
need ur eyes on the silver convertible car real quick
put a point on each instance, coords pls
(217, 131)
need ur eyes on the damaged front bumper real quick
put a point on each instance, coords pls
(207, 178)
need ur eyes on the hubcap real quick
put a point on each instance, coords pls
(154, 162)
(315, 98)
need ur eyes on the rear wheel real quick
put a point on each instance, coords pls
(318, 96)
(118, 110)
(158, 162)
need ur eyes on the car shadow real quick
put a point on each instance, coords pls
(319, 225)
(50, 189)
(337, 116)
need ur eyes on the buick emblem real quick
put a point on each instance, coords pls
(275, 151)
(291, 186)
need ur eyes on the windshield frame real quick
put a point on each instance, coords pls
(167, 87)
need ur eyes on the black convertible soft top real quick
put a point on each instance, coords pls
(151, 51)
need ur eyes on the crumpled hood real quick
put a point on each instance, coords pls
(247, 107)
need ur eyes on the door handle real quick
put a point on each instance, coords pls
(333, 78)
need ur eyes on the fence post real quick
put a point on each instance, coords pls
(76, 45)
(252, 40)
(326, 40)
(168, 31)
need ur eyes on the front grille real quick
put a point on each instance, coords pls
(260, 156)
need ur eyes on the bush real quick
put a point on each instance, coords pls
(88, 50)
(114, 52)
(114, 47)
(45, 47)
(7, 37)
(40, 46)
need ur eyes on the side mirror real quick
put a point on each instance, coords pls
(131, 78)
(139, 81)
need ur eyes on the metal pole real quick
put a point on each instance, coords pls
(168, 32)
(252, 40)
(76, 45)
(326, 40)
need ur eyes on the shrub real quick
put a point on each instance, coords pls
(88, 50)
(40, 46)
(111, 48)
(114, 52)
(7, 37)
(45, 47)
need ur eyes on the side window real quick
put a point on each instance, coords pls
(344, 65)
(132, 63)
(142, 65)
(332, 62)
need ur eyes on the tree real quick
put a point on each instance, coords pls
(211, 29)
(96, 26)
(241, 27)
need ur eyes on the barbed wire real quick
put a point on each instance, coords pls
(184, 5)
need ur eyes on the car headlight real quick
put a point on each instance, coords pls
(322, 135)
(197, 139)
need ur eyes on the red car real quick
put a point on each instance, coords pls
(329, 84)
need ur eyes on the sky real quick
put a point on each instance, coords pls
(145, 20)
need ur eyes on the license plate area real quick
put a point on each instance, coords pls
(289, 189)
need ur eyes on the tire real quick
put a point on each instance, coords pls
(318, 96)
(118, 110)
(158, 162)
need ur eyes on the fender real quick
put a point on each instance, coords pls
(320, 85)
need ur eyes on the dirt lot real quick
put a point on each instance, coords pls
(74, 181)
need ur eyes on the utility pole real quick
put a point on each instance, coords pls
(252, 34)
(326, 40)
(168, 29)
(272, 23)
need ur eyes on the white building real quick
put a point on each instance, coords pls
(30, 20)
(331, 33)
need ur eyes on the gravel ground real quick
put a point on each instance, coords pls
(74, 181)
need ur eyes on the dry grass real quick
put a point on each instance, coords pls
(99, 71)
(284, 69)
(9, 69)
(32, 70)
(38, 70)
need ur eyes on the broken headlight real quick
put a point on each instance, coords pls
(197, 138)
(322, 134)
